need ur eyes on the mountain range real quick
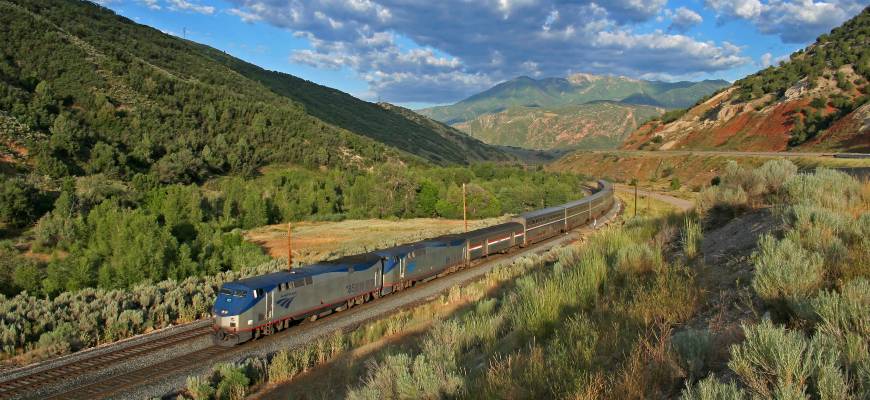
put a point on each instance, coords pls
(575, 89)
(580, 111)
(815, 101)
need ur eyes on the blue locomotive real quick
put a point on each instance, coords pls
(262, 305)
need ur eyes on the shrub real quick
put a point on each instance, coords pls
(233, 383)
(692, 237)
(772, 361)
(199, 388)
(675, 183)
(785, 273)
(404, 377)
(693, 348)
(826, 188)
(845, 312)
(712, 389)
(776, 173)
(18, 202)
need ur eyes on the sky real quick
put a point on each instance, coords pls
(419, 53)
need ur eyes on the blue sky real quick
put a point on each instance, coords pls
(421, 52)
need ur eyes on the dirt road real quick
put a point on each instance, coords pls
(682, 204)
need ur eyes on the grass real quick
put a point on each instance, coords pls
(315, 241)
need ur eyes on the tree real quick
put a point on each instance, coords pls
(18, 202)
(427, 199)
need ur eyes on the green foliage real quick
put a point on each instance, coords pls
(233, 383)
(786, 273)
(845, 44)
(772, 361)
(692, 237)
(694, 348)
(673, 115)
(140, 101)
(404, 377)
(819, 102)
(19, 202)
(816, 272)
(199, 388)
(711, 389)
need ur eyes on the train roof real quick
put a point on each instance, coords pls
(452, 239)
(270, 280)
(492, 229)
(261, 281)
(543, 211)
(399, 250)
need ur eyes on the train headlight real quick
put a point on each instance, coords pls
(250, 322)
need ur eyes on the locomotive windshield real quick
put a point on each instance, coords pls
(230, 292)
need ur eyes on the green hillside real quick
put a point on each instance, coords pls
(98, 93)
(405, 130)
(575, 89)
(597, 125)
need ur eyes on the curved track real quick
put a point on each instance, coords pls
(153, 367)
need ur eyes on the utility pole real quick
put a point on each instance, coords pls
(464, 209)
(289, 248)
(634, 182)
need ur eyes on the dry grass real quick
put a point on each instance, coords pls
(646, 206)
(315, 241)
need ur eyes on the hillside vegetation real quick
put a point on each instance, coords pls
(573, 90)
(94, 92)
(596, 125)
(817, 100)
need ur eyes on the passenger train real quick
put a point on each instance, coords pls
(262, 305)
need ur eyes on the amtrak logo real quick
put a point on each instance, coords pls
(285, 301)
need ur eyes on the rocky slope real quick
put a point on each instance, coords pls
(594, 125)
(815, 101)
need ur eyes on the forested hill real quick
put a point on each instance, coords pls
(85, 91)
(384, 122)
(817, 100)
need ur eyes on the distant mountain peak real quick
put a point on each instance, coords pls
(580, 78)
(578, 88)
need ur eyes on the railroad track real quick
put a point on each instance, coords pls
(91, 376)
(117, 384)
(29, 385)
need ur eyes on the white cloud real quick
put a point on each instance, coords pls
(411, 49)
(246, 17)
(152, 4)
(684, 19)
(745, 9)
(185, 5)
(766, 59)
(794, 21)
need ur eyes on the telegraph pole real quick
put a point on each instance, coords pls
(464, 209)
(289, 248)
(634, 182)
